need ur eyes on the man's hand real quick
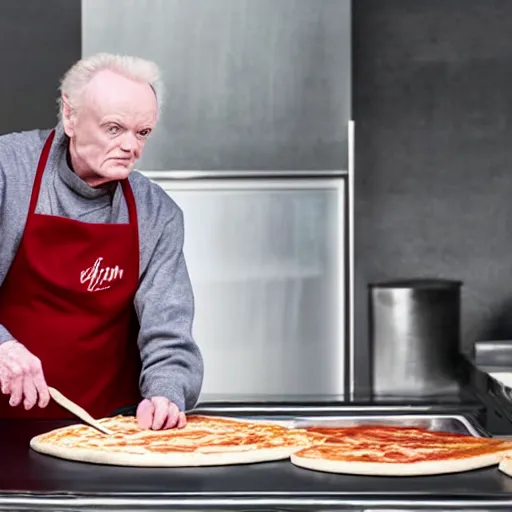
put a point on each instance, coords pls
(21, 376)
(159, 414)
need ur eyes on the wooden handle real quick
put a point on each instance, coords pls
(77, 410)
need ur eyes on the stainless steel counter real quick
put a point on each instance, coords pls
(30, 481)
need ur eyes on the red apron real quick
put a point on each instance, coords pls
(68, 297)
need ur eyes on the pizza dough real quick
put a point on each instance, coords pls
(505, 465)
(205, 441)
(391, 451)
(329, 459)
(217, 441)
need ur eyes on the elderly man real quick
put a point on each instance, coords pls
(95, 297)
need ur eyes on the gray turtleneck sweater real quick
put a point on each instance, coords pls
(171, 360)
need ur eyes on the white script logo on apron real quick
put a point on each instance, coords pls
(98, 277)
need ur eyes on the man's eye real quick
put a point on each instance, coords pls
(144, 133)
(113, 130)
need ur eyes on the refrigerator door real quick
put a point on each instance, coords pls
(266, 260)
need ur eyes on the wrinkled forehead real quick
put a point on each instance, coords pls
(110, 95)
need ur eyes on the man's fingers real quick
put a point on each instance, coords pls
(173, 414)
(21, 376)
(16, 388)
(42, 389)
(6, 387)
(182, 420)
(161, 415)
(145, 414)
(29, 392)
(5, 381)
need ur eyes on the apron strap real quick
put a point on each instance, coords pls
(43, 158)
(132, 213)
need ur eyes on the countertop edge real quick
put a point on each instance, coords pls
(150, 501)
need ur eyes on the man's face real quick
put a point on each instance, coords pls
(109, 127)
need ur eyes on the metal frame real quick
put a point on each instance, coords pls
(200, 501)
(200, 175)
(350, 233)
(338, 180)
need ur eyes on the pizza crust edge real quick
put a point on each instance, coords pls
(402, 469)
(170, 460)
(505, 465)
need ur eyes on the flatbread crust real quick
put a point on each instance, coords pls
(205, 441)
(391, 451)
(505, 465)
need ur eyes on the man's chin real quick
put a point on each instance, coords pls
(118, 172)
(114, 173)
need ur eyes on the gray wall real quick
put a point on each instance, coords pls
(433, 107)
(39, 40)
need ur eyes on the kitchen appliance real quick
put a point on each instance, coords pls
(415, 337)
(489, 371)
(265, 258)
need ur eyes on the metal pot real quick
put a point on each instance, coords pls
(414, 337)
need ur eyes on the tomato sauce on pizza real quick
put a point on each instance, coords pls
(211, 440)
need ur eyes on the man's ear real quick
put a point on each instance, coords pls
(68, 116)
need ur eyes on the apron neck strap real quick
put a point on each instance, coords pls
(43, 158)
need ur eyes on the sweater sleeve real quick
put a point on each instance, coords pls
(172, 364)
(5, 335)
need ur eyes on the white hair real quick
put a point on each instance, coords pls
(79, 75)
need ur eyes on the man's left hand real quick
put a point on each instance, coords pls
(158, 413)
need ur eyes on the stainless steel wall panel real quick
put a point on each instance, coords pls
(252, 84)
(266, 263)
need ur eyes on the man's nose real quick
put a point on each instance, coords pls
(129, 142)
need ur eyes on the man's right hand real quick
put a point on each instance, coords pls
(21, 376)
